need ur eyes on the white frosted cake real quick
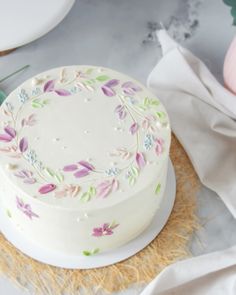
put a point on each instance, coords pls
(83, 159)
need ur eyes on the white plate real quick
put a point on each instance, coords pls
(24, 21)
(103, 259)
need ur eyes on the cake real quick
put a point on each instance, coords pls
(83, 159)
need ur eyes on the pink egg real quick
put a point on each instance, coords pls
(229, 71)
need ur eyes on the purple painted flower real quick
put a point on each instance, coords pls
(108, 88)
(130, 88)
(25, 208)
(50, 87)
(30, 121)
(82, 169)
(140, 160)
(27, 176)
(120, 111)
(70, 168)
(134, 128)
(10, 134)
(62, 92)
(23, 145)
(105, 230)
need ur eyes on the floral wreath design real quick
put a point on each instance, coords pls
(49, 180)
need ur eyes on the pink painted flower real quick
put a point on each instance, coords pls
(134, 128)
(159, 146)
(105, 230)
(8, 135)
(47, 188)
(140, 160)
(25, 208)
(106, 187)
(68, 190)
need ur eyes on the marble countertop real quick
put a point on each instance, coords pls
(121, 35)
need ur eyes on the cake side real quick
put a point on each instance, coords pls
(75, 233)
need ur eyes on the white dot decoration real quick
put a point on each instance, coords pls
(64, 147)
(78, 219)
(86, 132)
(87, 100)
(86, 215)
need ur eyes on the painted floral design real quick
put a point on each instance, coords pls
(105, 230)
(143, 113)
(27, 176)
(81, 169)
(159, 146)
(106, 187)
(130, 88)
(109, 88)
(68, 190)
(25, 208)
(50, 87)
(91, 252)
(8, 135)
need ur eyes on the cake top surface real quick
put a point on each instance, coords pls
(82, 137)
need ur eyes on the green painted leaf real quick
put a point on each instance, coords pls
(142, 108)
(132, 180)
(86, 253)
(134, 171)
(158, 188)
(2, 96)
(154, 102)
(85, 197)
(46, 101)
(161, 115)
(49, 172)
(95, 251)
(146, 101)
(36, 105)
(8, 213)
(89, 71)
(89, 82)
(102, 78)
(113, 224)
(92, 191)
(59, 177)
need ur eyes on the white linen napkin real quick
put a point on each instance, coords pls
(202, 115)
(213, 274)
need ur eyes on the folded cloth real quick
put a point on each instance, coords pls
(202, 115)
(213, 274)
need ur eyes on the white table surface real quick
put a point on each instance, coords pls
(119, 34)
